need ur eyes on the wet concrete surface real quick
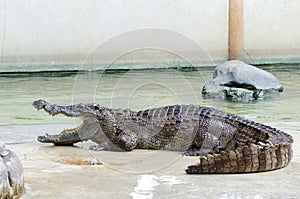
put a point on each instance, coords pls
(66, 172)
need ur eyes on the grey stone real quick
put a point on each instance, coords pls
(11, 174)
(237, 81)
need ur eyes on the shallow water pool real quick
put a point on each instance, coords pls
(137, 89)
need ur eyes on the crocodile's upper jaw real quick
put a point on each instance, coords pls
(76, 110)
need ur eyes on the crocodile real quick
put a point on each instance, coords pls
(224, 142)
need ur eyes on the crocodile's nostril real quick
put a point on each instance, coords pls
(96, 106)
(39, 104)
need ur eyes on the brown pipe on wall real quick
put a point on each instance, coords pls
(236, 30)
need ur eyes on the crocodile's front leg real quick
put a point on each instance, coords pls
(116, 133)
(125, 140)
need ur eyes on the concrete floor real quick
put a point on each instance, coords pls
(65, 172)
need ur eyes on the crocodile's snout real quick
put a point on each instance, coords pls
(42, 138)
(39, 104)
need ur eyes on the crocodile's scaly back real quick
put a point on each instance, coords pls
(176, 127)
(226, 143)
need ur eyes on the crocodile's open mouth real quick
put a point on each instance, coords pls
(85, 113)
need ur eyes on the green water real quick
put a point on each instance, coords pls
(136, 89)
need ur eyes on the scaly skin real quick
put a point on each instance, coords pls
(226, 143)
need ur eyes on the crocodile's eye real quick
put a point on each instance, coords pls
(96, 106)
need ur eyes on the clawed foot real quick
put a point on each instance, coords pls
(191, 152)
(195, 152)
(97, 147)
(105, 146)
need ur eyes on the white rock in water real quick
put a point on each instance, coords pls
(238, 81)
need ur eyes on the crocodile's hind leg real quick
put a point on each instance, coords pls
(66, 137)
(212, 136)
(195, 151)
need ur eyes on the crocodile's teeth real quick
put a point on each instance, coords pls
(70, 130)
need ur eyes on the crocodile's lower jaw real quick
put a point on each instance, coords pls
(64, 139)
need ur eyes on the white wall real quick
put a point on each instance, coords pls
(65, 31)
(272, 31)
(60, 34)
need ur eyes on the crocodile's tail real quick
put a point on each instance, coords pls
(253, 158)
(273, 153)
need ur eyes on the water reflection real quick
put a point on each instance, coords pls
(146, 184)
